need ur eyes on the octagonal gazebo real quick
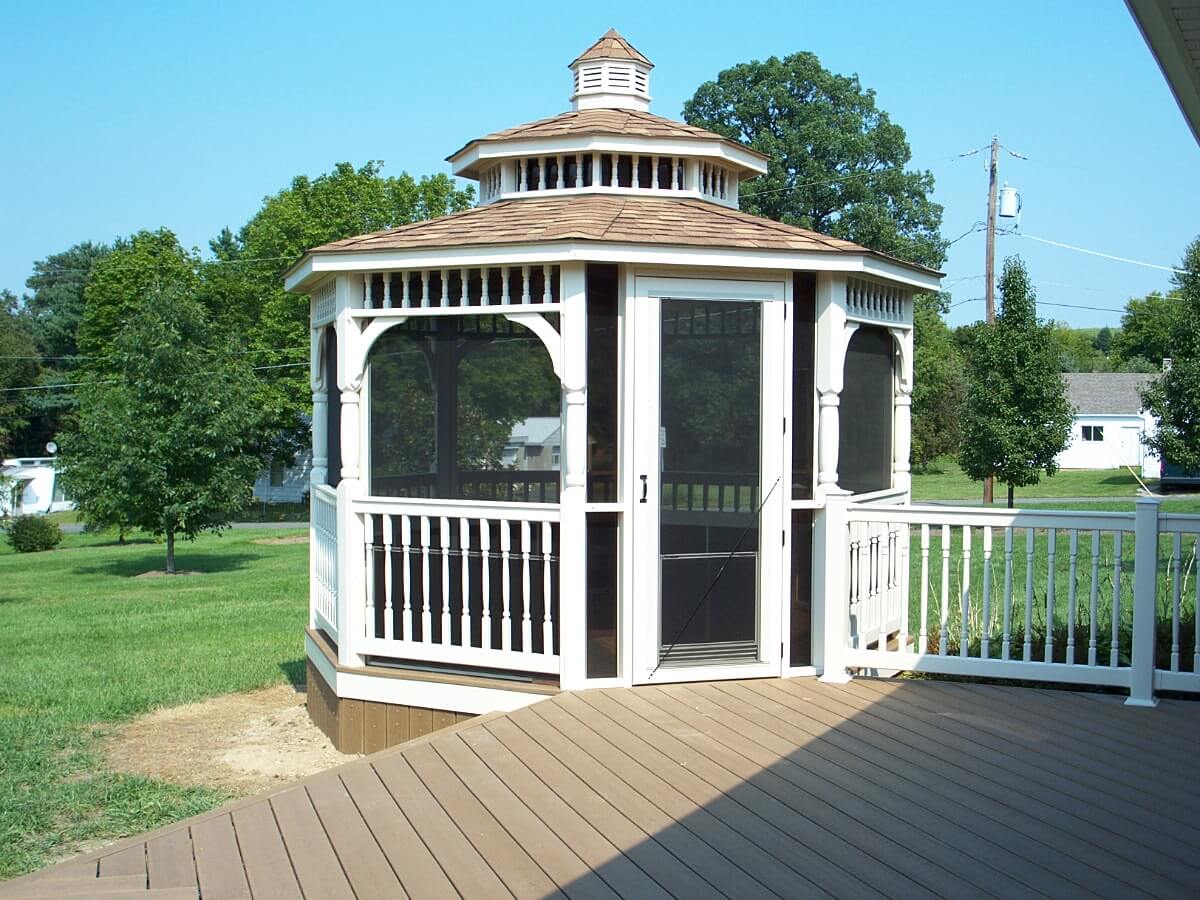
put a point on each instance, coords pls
(584, 433)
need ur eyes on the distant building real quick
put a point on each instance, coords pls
(278, 483)
(30, 486)
(1109, 423)
(535, 443)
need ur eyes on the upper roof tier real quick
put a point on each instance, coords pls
(612, 46)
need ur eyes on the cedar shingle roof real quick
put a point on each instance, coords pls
(612, 46)
(598, 217)
(609, 122)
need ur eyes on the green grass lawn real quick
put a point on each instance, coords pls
(946, 481)
(88, 645)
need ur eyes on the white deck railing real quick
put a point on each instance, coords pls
(324, 571)
(1069, 596)
(461, 583)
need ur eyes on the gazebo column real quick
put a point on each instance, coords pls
(445, 374)
(572, 567)
(829, 572)
(351, 578)
(318, 473)
(902, 404)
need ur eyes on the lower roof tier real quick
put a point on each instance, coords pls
(609, 219)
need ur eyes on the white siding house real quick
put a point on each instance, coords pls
(1109, 423)
(29, 486)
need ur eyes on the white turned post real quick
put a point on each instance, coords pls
(654, 173)
(830, 590)
(578, 170)
(635, 180)
(1145, 586)
(541, 182)
(675, 173)
(613, 181)
(830, 364)
(572, 620)
(522, 175)
(559, 182)
(320, 458)
(351, 575)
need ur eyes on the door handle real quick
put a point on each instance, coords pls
(645, 489)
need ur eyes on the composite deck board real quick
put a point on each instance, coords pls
(1066, 765)
(170, 861)
(264, 857)
(130, 861)
(619, 872)
(214, 844)
(313, 858)
(367, 869)
(683, 839)
(913, 800)
(418, 870)
(780, 804)
(984, 780)
(555, 857)
(707, 813)
(732, 789)
(797, 769)
(595, 808)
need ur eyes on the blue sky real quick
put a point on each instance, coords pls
(134, 115)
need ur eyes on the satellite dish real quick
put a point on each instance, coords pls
(51, 448)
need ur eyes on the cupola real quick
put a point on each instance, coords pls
(611, 74)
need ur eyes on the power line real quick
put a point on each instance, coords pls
(236, 353)
(1124, 259)
(67, 384)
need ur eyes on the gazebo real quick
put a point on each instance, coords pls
(584, 433)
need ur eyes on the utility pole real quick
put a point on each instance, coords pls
(989, 269)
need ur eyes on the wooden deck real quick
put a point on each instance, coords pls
(737, 789)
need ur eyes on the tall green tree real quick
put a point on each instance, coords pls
(939, 382)
(244, 284)
(55, 306)
(1174, 397)
(838, 161)
(1147, 329)
(148, 264)
(1017, 418)
(170, 437)
(19, 368)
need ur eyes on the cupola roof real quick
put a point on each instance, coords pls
(612, 46)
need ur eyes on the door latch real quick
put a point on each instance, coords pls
(645, 489)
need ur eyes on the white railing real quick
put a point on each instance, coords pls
(324, 545)
(461, 289)
(1069, 596)
(461, 583)
(874, 301)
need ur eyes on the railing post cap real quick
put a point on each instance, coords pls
(1147, 501)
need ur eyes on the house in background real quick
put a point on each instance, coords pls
(29, 486)
(1109, 423)
(278, 483)
(535, 443)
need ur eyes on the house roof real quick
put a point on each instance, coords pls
(1106, 393)
(599, 217)
(536, 430)
(612, 46)
(623, 122)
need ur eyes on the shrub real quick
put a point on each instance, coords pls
(30, 534)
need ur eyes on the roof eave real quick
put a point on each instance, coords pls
(1163, 36)
(314, 267)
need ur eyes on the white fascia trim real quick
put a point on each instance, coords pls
(486, 151)
(596, 251)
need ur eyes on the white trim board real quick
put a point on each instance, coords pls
(306, 272)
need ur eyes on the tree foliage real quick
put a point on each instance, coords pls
(19, 367)
(170, 438)
(1174, 397)
(1147, 329)
(837, 159)
(55, 307)
(1016, 419)
(939, 383)
(244, 284)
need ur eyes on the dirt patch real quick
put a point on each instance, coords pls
(290, 539)
(159, 573)
(242, 743)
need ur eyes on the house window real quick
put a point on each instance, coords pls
(1093, 432)
(276, 474)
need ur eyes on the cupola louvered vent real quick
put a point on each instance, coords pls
(611, 74)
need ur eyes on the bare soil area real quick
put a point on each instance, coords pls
(289, 539)
(242, 743)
